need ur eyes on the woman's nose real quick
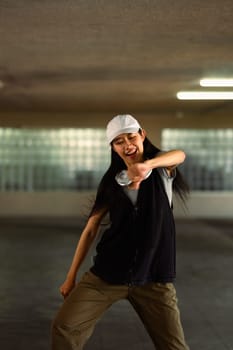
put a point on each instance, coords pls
(127, 142)
(127, 145)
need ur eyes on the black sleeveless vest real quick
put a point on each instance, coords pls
(139, 246)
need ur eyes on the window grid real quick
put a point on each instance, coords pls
(209, 162)
(57, 159)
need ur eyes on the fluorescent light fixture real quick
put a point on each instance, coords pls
(205, 95)
(217, 82)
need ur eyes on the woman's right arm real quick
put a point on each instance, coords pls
(87, 237)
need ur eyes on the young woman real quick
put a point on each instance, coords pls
(135, 257)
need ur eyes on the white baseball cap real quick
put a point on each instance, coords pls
(121, 124)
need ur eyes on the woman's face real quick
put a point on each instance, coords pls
(130, 147)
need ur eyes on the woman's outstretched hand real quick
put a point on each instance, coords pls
(67, 287)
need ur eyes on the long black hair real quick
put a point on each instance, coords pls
(108, 187)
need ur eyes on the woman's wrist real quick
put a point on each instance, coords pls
(71, 276)
(151, 164)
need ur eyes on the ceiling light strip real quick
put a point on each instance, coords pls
(205, 95)
(217, 82)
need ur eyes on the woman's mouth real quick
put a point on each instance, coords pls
(131, 154)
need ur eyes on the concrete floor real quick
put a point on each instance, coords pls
(34, 258)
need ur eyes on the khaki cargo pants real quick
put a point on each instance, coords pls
(155, 303)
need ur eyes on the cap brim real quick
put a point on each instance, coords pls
(123, 131)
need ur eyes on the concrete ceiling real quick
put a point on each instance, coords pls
(112, 56)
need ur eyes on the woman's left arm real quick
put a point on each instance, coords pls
(168, 160)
